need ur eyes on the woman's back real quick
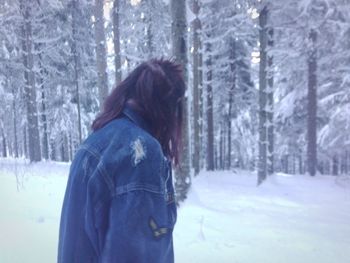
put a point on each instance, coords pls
(119, 204)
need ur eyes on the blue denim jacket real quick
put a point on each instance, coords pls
(119, 203)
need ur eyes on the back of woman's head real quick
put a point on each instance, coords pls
(155, 90)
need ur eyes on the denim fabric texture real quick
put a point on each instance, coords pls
(119, 203)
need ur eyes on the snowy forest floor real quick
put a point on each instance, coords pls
(225, 219)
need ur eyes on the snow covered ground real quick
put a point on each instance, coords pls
(226, 218)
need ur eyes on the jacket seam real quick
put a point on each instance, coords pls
(91, 151)
(119, 190)
(107, 179)
(134, 187)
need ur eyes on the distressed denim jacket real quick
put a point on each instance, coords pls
(119, 203)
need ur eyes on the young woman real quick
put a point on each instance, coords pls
(119, 203)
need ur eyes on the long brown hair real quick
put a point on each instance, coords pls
(155, 89)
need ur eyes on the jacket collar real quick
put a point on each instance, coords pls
(135, 117)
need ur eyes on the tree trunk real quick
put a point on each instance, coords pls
(196, 99)
(150, 29)
(215, 157)
(270, 106)
(210, 121)
(286, 163)
(202, 158)
(221, 148)
(335, 166)
(4, 146)
(30, 89)
(230, 101)
(293, 164)
(53, 155)
(179, 51)
(101, 62)
(342, 163)
(224, 147)
(70, 147)
(262, 96)
(45, 136)
(25, 143)
(300, 164)
(76, 57)
(44, 121)
(64, 148)
(116, 42)
(312, 105)
(346, 162)
(14, 107)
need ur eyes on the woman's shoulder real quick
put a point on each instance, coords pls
(134, 160)
(117, 134)
(134, 144)
(122, 139)
(129, 136)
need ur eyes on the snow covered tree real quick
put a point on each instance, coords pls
(116, 40)
(208, 76)
(263, 37)
(179, 49)
(209, 107)
(312, 104)
(231, 30)
(101, 60)
(333, 99)
(26, 10)
(270, 104)
(197, 99)
(305, 47)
